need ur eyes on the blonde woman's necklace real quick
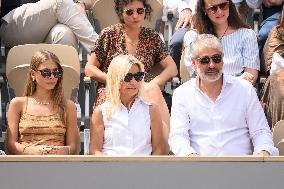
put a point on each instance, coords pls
(224, 32)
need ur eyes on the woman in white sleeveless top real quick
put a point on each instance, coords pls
(126, 124)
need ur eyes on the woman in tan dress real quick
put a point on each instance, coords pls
(43, 121)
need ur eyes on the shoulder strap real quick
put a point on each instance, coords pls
(26, 105)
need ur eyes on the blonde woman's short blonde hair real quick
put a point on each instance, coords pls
(117, 70)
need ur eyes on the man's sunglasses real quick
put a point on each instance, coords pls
(46, 73)
(137, 76)
(216, 58)
(214, 8)
(130, 12)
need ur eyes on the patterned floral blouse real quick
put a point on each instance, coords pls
(150, 50)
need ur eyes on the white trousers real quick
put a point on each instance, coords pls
(48, 21)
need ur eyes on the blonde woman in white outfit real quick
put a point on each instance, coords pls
(125, 124)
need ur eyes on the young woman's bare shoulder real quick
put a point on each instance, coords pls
(17, 104)
(18, 101)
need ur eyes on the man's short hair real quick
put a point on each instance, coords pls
(204, 41)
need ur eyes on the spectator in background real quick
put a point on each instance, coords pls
(217, 114)
(273, 91)
(271, 11)
(46, 21)
(126, 124)
(185, 10)
(220, 18)
(43, 121)
(274, 43)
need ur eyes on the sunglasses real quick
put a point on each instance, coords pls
(46, 73)
(130, 12)
(137, 76)
(216, 58)
(214, 8)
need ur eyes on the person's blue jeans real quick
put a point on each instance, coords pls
(265, 28)
(176, 45)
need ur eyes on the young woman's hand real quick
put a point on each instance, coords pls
(56, 150)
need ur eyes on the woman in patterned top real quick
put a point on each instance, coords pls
(42, 121)
(129, 37)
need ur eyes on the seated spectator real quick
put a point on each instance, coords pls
(274, 44)
(272, 97)
(43, 121)
(271, 11)
(129, 37)
(46, 21)
(217, 114)
(241, 53)
(185, 9)
(126, 124)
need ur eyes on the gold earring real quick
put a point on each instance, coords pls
(31, 88)
(33, 85)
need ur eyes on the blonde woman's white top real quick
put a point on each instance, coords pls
(127, 132)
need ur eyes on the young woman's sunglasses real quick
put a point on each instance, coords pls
(130, 12)
(216, 58)
(46, 73)
(214, 8)
(137, 76)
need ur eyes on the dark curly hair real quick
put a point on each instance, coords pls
(203, 24)
(120, 4)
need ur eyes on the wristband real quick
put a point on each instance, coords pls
(25, 148)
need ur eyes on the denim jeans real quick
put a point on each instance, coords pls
(176, 45)
(265, 28)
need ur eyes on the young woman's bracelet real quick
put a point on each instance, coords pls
(25, 148)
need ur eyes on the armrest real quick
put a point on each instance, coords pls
(87, 85)
(280, 147)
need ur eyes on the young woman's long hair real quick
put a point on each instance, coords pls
(117, 70)
(203, 24)
(57, 94)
